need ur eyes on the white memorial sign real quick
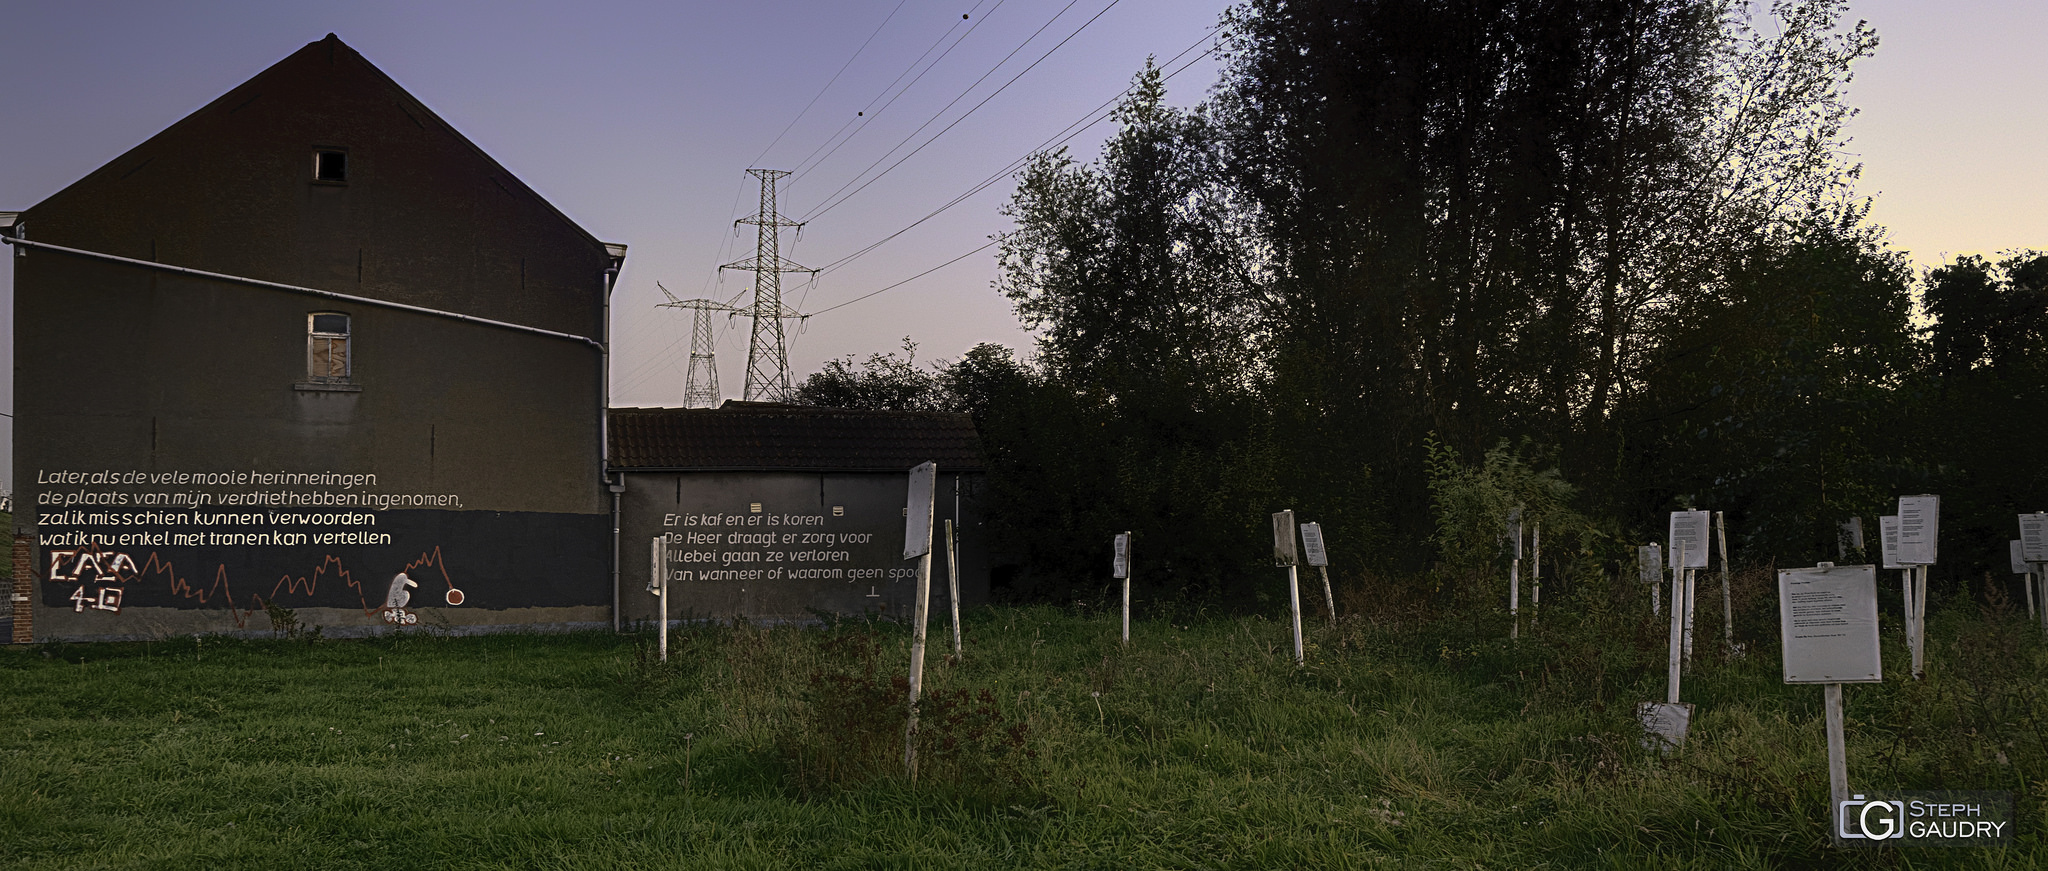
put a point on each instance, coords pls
(1514, 532)
(1689, 535)
(2034, 537)
(1919, 528)
(1650, 563)
(1827, 618)
(1888, 532)
(1312, 544)
(1283, 538)
(917, 525)
(1666, 724)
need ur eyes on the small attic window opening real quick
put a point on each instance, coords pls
(330, 166)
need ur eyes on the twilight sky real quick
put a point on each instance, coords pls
(639, 119)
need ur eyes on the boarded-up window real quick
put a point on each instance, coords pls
(327, 351)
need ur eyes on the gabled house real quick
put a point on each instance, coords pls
(781, 512)
(308, 349)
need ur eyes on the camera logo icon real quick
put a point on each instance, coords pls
(1858, 818)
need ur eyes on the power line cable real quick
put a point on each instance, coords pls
(961, 96)
(956, 122)
(828, 85)
(1087, 121)
(865, 117)
(856, 299)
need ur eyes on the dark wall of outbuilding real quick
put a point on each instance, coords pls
(137, 375)
(837, 544)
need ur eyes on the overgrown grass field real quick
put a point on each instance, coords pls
(1049, 745)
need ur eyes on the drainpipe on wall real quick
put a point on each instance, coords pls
(617, 487)
(617, 255)
(20, 593)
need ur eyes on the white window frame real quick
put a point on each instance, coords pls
(317, 339)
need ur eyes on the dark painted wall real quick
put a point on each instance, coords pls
(836, 546)
(484, 442)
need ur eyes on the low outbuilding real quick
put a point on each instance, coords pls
(783, 512)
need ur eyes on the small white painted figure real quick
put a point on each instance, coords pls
(398, 596)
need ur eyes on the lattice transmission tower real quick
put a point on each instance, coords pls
(767, 351)
(700, 383)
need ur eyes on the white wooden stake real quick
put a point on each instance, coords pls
(1691, 597)
(923, 612)
(1127, 607)
(1677, 627)
(2030, 595)
(917, 543)
(1838, 757)
(1120, 568)
(1657, 594)
(1727, 603)
(1906, 594)
(1920, 624)
(1515, 595)
(1536, 573)
(1294, 606)
(657, 567)
(2040, 577)
(953, 580)
(1329, 598)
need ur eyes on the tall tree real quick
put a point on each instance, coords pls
(1778, 397)
(1399, 219)
(1455, 200)
(1986, 379)
(1478, 218)
(1131, 270)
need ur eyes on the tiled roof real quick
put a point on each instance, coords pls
(771, 436)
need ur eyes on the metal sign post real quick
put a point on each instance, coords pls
(1849, 538)
(1515, 574)
(1312, 547)
(1689, 551)
(1284, 555)
(1679, 607)
(1650, 571)
(1667, 722)
(1536, 572)
(1727, 603)
(1827, 620)
(1919, 533)
(2034, 551)
(657, 583)
(1121, 568)
(917, 544)
(1888, 547)
(953, 582)
(2021, 567)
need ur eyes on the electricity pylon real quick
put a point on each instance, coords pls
(767, 351)
(700, 384)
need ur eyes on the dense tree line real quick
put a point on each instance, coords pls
(1603, 242)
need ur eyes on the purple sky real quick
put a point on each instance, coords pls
(639, 120)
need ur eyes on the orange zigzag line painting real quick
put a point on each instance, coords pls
(305, 585)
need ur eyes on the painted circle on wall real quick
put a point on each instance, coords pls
(454, 596)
